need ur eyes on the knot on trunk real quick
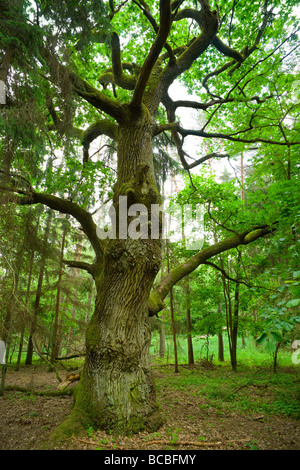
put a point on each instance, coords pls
(141, 190)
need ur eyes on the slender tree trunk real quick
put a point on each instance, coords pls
(234, 329)
(189, 323)
(220, 347)
(172, 314)
(220, 340)
(54, 346)
(242, 178)
(174, 331)
(75, 273)
(234, 320)
(21, 342)
(162, 332)
(26, 301)
(275, 357)
(162, 339)
(229, 319)
(29, 355)
(6, 331)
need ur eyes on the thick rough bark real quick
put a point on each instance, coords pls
(116, 390)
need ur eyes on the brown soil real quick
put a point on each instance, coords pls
(26, 420)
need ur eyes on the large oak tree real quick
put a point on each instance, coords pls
(105, 69)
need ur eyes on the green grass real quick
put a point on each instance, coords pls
(253, 389)
(250, 390)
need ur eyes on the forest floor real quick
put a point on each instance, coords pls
(27, 419)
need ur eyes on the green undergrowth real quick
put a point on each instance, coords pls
(247, 353)
(250, 390)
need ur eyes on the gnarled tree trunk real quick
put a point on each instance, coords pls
(117, 388)
(116, 391)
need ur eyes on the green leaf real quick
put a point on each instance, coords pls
(293, 303)
(262, 338)
(277, 336)
(271, 347)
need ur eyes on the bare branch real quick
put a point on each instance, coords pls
(219, 223)
(103, 127)
(219, 135)
(90, 268)
(146, 11)
(127, 82)
(205, 106)
(217, 42)
(207, 157)
(244, 53)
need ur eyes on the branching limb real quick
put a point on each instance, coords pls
(209, 26)
(163, 32)
(244, 53)
(127, 82)
(219, 223)
(169, 280)
(209, 104)
(96, 98)
(146, 11)
(90, 268)
(207, 157)
(107, 77)
(66, 207)
(217, 42)
(224, 273)
(236, 281)
(219, 135)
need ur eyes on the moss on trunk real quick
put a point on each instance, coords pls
(116, 391)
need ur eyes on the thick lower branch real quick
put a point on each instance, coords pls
(175, 275)
(66, 207)
(208, 157)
